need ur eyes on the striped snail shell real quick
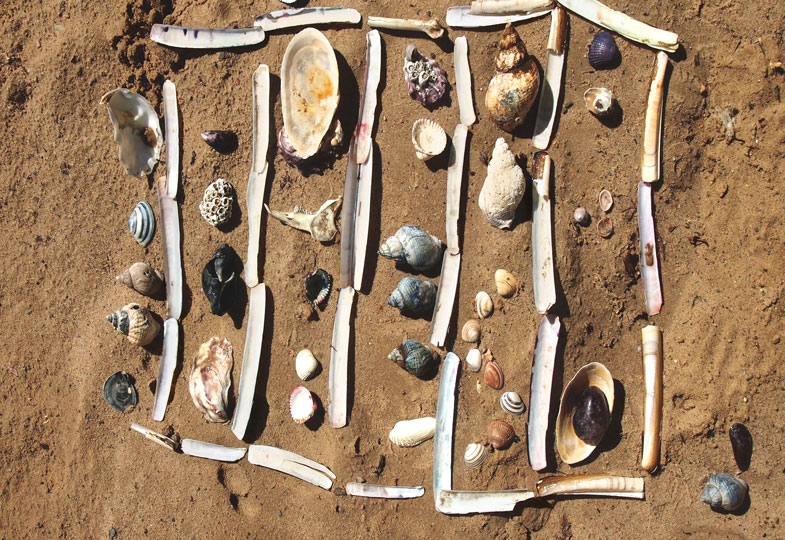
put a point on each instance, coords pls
(141, 223)
(135, 321)
(414, 296)
(500, 434)
(512, 403)
(724, 492)
(475, 455)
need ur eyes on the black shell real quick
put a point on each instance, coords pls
(119, 391)
(318, 285)
(416, 358)
(603, 52)
(592, 417)
(218, 278)
(224, 142)
(741, 442)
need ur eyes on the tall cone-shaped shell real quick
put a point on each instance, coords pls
(210, 379)
(513, 89)
(503, 188)
(309, 91)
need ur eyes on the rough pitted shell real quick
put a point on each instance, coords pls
(428, 138)
(599, 101)
(494, 376)
(135, 321)
(224, 142)
(119, 391)
(470, 332)
(474, 455)
(414, 296)
(500, 434)
(503, 188)
(408, 433)
(724, 492)
(137, 130)
(142, 278)
(416, 358)
(216, 205)
(219, 278)
(483, 304)
(301, 405)
(141, 223)
(414, 246)
(506, 284)
(512, 403)
(425, 80)
(305, 364)
(318, 285)
(474, 359)
(603, 52)
(211, 378)
(741, 443)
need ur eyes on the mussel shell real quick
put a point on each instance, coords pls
(416, 358)
(724, 492)
(494, 376)
(141, 223)
(603, 52)
(413, 245)
(500, 434)
(429, 89)
(222, 141)
(591, 417)
(219, 278)
(119, 391)
(318, 285)
(741, 442)
(512, 403)
(142, 278)
(414, 296)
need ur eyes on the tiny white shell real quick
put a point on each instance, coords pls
(474, 359)
(581, 216)
(512, 403)
(606, 200)
(483, 304)
(305, 364)
(428, 138)
(474, 455)
(413, 432)
(301, 405)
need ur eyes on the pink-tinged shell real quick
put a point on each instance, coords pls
(433, 84)
(494, 376)
(301, 405)
(211, 378)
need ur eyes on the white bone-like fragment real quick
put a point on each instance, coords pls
(291, 463)
(651, 154)
(651, 350)
(252, 351)
(623, 24)
(481, 502)
(172, 140)
(542, 381)
(169, 218)
(384, 492)
(289, 18)
(431, 27)
(494, 7)
(650, 268)
(603, 485)
(166, 367)
(183, 37)
(461, 17)
(212, 451)
(463, 82)
(443, 437)
(551, 82)
(156, 437)
(257, 178)
(373, 64)
(543, 279)
(338, 389)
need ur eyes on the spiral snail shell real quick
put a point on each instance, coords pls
(135, 321)
(724, 492)
(142, 278)
(141, 223)
(475, 455)
(500, 434)
(414, 246)
(414, 296)
(416, 358)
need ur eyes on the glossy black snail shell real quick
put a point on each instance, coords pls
(592, 417)
(219, 278)
(741, 442)
(603, 52)
(318, 285)
(416, 358)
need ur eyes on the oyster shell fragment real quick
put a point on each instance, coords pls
(321, 225)
(211, 378)
(137, 130)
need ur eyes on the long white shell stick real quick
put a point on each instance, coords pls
(623, 24)
(461, 17)
(431, 27)
(463, 81)
(651, 349)
(591, 484)
(338, 389)
(156, 437)
(362, 220)
(183, 37)
(481, 502)
(543, 279)
(252, 352)
(551, 82)
(542, 381)
(257, 178)
(212, 451)
(169, 218)
(651, 154)
(373, 66)
(348, 214)
(443, 437)
(384, 492)
(451, 263)
(166, 367)
(494, 7)
(172, 141)
(291, 463)
(650, 268)
(288, 18)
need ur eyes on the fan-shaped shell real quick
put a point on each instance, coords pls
(483, 304)
(470, 332)
(413, 432)
(301, 405)
(414, 246)
(724, 492)
(500, 434)
(414, 296)
(142, 278)
(119, 391)
(474, 359)
(506, 284)
(428, 138)
(603, 52)
(141, 223)
(494, 376)
(571, 448)
(309, 90)
(305, 364)
(137, 130)
(475, 455)
(135, 321)
(416, 358)
(599, 101)
(211, 378)
(503, 188)
(512, 403)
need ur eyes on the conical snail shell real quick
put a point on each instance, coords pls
(141, 223)
(724, 492)
(305, 364)
(414, 295)
(474, 455)
(414, 246)
(416, 358)
(408, 433)
(470, 332)
(135, 321)
(513, 89)
(503, 188)
(483, 304)
(506, 284)
(142, 278)
(210, 379)
(500, 434)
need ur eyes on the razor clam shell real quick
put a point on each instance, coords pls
(170, 238)
(480, 502)
(461, 17)
(409, 433)
(358, 489)
(551, 80)
(603, 485)
(373, 66)
(651, 148)
(443, 436)
(212, 451)
(183, 37)
(650, 268)
(310, 16)
(339, 360)
(292, 464)
(362, 220)
(172, 140)
(166, 367)
(451, 262)
(252, 351)
(348, 214)
(463, 81)
(543, 280)
(493, 7)
(156, 437)
(540, 399)
(651, 349)
(257, 178)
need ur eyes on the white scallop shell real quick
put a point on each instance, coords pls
(428, 138)
(474, 455)
(305, 364)
(474, 359)
(503, 188)
(216, 205)
(137, 130)
(483, 304)
(301, 405)
(413, 432)
(512, 403)
(141, 223)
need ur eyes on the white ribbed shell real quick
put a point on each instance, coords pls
(413, 432)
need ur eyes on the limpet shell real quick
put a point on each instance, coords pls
(483, 304)
(135, 321)
(428, 138)
(494, 376)
(142, 278)
(475, 455)
(605, 227)
(512, 403)
(474, 359)
(409, 433)
(119, 391)
(506, 284)
(141, 223)
(301, 405)
(500, 434)
(606, 200)
(470, 332)
(305, 364)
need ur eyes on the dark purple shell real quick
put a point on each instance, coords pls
(426, 81)
(741, 442)
(224, 142)
(317, 163)
(603, 53)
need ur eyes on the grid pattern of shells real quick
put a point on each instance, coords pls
(216, 205)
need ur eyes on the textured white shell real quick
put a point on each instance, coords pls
(305, 364)
(216, 205)
(503, 188)
(309, 90)
(301, 405)
(428, 138)
(474, 359)
(483, 304)
(136, 130)
(413, 432)
(474, 455)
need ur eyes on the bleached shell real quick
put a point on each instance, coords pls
(606, 200)
(216, 205)
(305, 364)
(599, 101)
(211, 378)
(506, 284)
(470, 332)
(137, 130)
(413, 432)
(142, 278)
(135, 321)
(512, 403)
(483, 304)
(503, 188)
(141, 223)
(309, 91)
(301, 405)
(428, 138)
(474, 359)
(475, 455)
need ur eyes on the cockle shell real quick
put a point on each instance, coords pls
(408, 433)
(321, 225)
(470, 332)
(428, 138)
(141, 223)
(301, 405)
(474, 359)
(142, 278)
(318, 285)
(137, 130)
(425, 80)
(512, 403)
(224, 142)
(211, 378)
(599, 101)
(414, 296)
(500, 434)
(741, 443)
(603, 52)
(483, 304)
(414, 246)
(305, 364)
(136, 322)
(216, 205)
(119, 391)
(506, 284)
(416, 358)
(724, 492)
(475, 455)
(503, 188)
(218, 278)
(494, 376)
(513, 89)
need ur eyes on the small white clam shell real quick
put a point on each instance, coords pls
(137, 130)
(413, 432)
(474, 455)
(428, 138)
(512, 403)
(301, 405)
(305, 364)
(483, 304)
(141, 223)
(474, 359)
(606, 200)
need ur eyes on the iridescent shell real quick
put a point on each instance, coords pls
(141, 223)
(211, 378)
(318, 285)
(218, 278)
(142, 278)
(301, 405)
(475, 455)
(503, 188)
(606, 200)
(216, 205)
(500, 434)
(414, 296)
(416, 358)
(119, 391)
(137, 130)
(605, 227)
(414, 246)
(603, 52)
(724, 492)
(425, 80)
(135, 321)
(409, 433)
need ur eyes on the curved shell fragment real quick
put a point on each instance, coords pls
(137, 130)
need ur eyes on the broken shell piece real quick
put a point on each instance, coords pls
(301, 405)
(119, 391)
(318, 285)
(142, 278)
(416, 358)
(494, 376)
(318, 162)
(581, 216)
(474, 359)
(503, 188)
(321, 225)
(506, 284)
(216, 205)
(475, 455)
(500, 434)
(428, 138)
(426, 81)
(224, 142)
(305, 364)
(157, 438)
(431, 27)
(211, 378)
(605, 227)
(724, 492)
(136, 322)
(606, 200)
(599, 101)
(414, 246)
(141, 223)
(218, 278)
(408, 433)
(470, 332)
(512, 403)
(414, 296)
(483, 304)
(137, 130)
